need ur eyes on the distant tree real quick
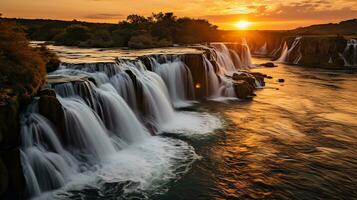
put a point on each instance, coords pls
(73, 35)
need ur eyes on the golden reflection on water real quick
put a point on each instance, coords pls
(294, 140)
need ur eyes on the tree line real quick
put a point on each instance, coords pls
(157, 30)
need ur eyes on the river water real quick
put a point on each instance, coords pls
(295, 140)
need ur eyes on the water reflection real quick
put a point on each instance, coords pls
(296, 140)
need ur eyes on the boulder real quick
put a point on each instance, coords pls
(243, 89)
(268, 64)
(281, 80)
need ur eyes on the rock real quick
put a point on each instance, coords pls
(48, 92)
(250, 77)
(243, 89)
(268, 64)
(59, 79)
(4, 177)
(245, 77)
(16, 180)
(51, 108)
(269, 77)
(281, 80)
(195, 63)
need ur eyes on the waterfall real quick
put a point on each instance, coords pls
(262, 50)
(47, 165)
(246, 56)
(212, 80)
(177, 77)
(286, 52)
(110, 108)
(349, 55)
(223, 58)
(228, 60)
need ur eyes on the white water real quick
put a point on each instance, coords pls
(178, 79)
(108, 124)
(286, 52)
(349, 55)
(262, 50)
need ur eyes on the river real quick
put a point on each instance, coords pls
(295, 140)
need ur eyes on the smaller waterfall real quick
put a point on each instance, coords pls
(212, 80)
(286, 52)
(47, 165)
(223, 58)
(246, 56)
(349, 55)
(177, 77)
(262, 50)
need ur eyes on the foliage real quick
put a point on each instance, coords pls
(22, 68)
(157, 30)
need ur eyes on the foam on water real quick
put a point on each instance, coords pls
(192, 123)
(142, 169)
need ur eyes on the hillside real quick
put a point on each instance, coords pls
(348, 27)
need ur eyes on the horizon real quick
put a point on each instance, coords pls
(227, 15)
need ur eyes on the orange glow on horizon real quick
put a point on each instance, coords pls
(243, 24)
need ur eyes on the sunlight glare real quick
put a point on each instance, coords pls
(243, 24)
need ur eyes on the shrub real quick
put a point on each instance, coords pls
(22, 68)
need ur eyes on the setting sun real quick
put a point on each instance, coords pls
(243, 24)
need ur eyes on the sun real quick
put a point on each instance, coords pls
(243, 24)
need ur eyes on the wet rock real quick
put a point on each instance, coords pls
(59, 79)
(48, 92)
(51, 108)
(281, 80)
(195, 63)
(244, 77)
(268, 64)
(243, 89)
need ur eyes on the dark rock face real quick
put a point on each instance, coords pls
(51, 108)
(195, 63)
(12, 181)
(316, 51)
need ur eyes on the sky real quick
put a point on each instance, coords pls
(262, 14)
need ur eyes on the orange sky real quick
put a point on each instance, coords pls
(264, 14)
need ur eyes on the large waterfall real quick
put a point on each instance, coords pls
(111, 111)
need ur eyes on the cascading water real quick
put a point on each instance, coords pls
(177, 77)
(262, 50)
(246, 56)
(286, 52)
(350, 53)
(109, 111)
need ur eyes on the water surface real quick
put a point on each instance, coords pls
(295, 140)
